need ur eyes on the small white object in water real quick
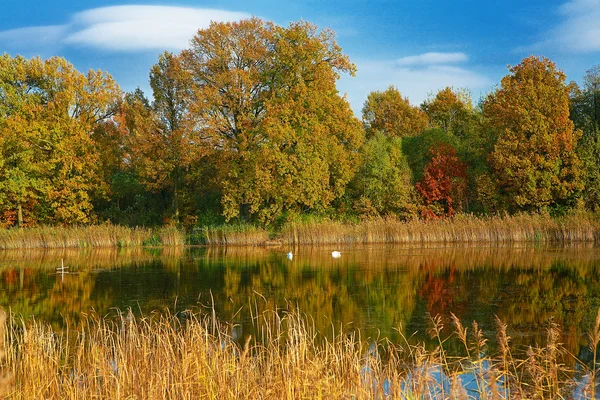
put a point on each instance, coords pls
(336, 254)
(290, 255)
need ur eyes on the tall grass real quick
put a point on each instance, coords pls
(533, 228)
(530, 228)
(231, 235)
(88, 236)
(193, 356)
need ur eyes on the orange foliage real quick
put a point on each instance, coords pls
(444, 183)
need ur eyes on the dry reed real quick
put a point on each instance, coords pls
(533, 228)
(88, 236)
(233, 235)
(192, 356)
(529, 228)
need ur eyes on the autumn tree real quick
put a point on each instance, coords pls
(270, 117)
(585, 113)
(392, 114)
(161, 140)
(48, 111)
(533, 160)
(444, 183)
(451, 110)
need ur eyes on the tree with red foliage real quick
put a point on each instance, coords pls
(444, 183)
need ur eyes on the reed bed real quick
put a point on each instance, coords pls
(189, 356)
(231, 235)
(88, 236)
(533, 228)
(529, 228)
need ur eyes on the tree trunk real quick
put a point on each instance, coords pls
(19, 216)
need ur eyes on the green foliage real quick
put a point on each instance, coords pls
(383, 183)
(585, 113)
(417, 149)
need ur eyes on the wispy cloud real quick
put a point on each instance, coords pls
(123, 28)
(433, 58)
(578, 29)
(416, 83)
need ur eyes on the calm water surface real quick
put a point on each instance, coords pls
(383, 290)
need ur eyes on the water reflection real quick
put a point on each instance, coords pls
(383, 290)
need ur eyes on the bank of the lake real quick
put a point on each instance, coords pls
(520, 228)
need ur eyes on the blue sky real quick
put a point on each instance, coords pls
(419, 46)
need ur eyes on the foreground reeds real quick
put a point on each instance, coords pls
(188, 356)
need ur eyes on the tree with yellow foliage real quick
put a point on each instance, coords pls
(533, 160)
(269, 115)
(48, 160)
(392, 114)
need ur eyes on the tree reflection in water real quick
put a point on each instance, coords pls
(379, 289)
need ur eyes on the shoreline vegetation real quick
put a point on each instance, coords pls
(520, 228)
(194, 355)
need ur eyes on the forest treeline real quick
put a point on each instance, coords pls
(246, 125)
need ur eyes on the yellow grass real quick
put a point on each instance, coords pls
(530, 228)
(461, 229)
(193, 357)
(89, 236)
(234, 235)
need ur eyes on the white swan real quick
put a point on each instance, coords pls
(336, 254)
(290, 255)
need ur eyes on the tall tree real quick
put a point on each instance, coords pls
(161, 140)
(533, 158)
(585, 113)
(392, 114)
(270, 116)
(48, 111)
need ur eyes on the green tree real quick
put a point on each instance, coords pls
(383, 183)
(533, 159)
(392, 114)
(585, 113)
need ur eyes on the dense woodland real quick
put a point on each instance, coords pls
(246, 124)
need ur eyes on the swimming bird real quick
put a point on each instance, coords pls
(290, 255)
(336, 254)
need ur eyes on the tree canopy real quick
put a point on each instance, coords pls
(270, 117)
(392, 114)
(533, 158)
(49, 166)
(247, 125)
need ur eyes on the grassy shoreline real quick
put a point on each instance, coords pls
(521, 228)
(194, 355)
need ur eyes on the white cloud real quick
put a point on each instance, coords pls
(578, 30)
(124, 28)
(432, 59)
(414, 83)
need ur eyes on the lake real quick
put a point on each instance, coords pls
(382, 290)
